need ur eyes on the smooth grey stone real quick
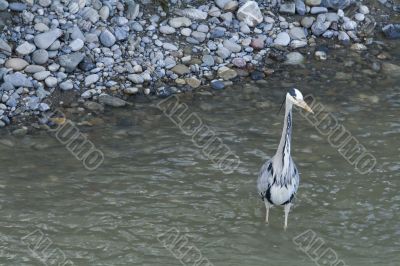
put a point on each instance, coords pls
(4, 46)
(89, 80)
(76, 33)
(111, 101)
(208, 60)
(217, 32)
(90, 14)
(300, 7)
(67, 85)
(282, 39)
(133, 10)
(121, 33)
(71, 61)
(25, 48)
(44, 40)
(42, 75)
(297, 33)
(6, 86)
(307, 22)
(51, 82)
(34, 69)
(223, 52)
(319, 28)
(289, 8)
(107, 38)
(200, 36)
(343, 37)
(15, 6)
(40, 56)
(167, 29)
(3, 5)
(231, 46)
(217, 84)
(11, 102)
(18, 79)
(318, 10)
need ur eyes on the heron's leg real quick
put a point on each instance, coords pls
(267, 206)
(287, 209)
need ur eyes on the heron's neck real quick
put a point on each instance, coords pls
(283, 152)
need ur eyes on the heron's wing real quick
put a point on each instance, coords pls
(296, 176)
(265, 177)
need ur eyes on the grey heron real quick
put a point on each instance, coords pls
(278, 179)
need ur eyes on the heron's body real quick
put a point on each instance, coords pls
(279, 178)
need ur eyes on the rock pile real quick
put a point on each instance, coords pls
(95, 47)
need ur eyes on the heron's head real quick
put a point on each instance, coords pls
(296, 97)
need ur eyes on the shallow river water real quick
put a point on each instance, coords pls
(156, 187)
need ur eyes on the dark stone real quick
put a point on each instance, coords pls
(337, 4)
(392, 31)
(276, 56)
(217, 32)
(70, 61)
(86, 64)
(257, 75)
(323, 48)
(5, 119)
(217, 85)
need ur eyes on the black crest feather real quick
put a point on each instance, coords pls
(283, 101)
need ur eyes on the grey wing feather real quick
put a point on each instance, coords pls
(296, 175)
(265, 177)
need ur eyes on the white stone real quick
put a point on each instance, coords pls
(51, 82)
(282, 39)
(359, 16)
(180, 22)
(297, 33)
(340, 13)
(250, 13)
(350, 25)
(137, 69)
(26, 48)
(42, 75)
(67, 85)
(294, 58)
(186, 32)
(358, 47)
(89, 80)
(131, 90)
(298, 44)
(364, 10)
(76, 45)
(167, 29)
(170, 47)
(16, 63)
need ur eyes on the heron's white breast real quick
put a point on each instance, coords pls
(281, 194)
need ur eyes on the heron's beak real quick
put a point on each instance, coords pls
(304, 105)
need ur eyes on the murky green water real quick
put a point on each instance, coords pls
(155, 180)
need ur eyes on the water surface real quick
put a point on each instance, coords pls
(154, 179)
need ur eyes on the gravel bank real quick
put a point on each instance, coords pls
(105, 49)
